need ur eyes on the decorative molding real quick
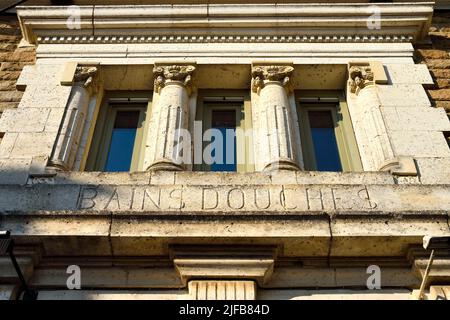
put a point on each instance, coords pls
(222, 290)
(85, 75)
(297, 38)
(270, 73)
(220, 262)
(172, 73)
(324, 21)
(359, 76)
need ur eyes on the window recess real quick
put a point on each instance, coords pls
(327, 136)
(118, 141)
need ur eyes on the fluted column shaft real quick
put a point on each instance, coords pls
(370, 129)
(170, 119)
(274, 122)
(69, 135)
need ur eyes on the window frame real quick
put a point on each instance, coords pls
(333, 101)
(243, 121)
(112, 103)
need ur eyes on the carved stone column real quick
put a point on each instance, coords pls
(70, 132)
(274, 124)
(372, 135)
(170, 117)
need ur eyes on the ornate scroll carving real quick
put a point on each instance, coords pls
(359, 77)
(263, 74)
(85, 75)
(178, 73)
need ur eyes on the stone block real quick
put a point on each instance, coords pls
(419, 143)
(7, 144)
(316, 177)
(415, 119)
(434, 170)
(26, 76)
(409, 74)
(45, 96)
(68, 73)
(33, 144)
(104, 178)
(220, 178)
(24, 120)
(54, 119)
(407, 95)
(162, 177)
(440, 94)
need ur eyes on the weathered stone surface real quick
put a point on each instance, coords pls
(408, 74)
(14, 171)
(418, 119)
(26, 144)
(432, 54)
(420, 143)
(110, 277)
(340, 294)
(24, 120)
(434, 170)
(440, 95)
(398, 95)
(232, 199)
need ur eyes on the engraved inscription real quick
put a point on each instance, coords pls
(225, 198)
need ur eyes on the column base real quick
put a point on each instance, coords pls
(282, 165)
(56, 166)
(165, 165)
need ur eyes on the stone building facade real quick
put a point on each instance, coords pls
(284, 221)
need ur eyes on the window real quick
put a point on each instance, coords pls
(224, 119)
(328, 140)
(225, 116)
(117, 144)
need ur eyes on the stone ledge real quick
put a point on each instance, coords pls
(316, 235)
(220, 178)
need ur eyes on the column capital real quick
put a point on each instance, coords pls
(359, 76)
(84, 75)
(262, 75)
(181, 74)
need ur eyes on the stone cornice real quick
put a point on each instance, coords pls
(313, 21)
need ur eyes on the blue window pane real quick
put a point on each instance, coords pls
(122, 141)
(228, 148)
(120, 150)
(324, 141)
(325, 149)
(225, 122)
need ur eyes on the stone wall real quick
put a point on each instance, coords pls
(436, 55)
(12, 60)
